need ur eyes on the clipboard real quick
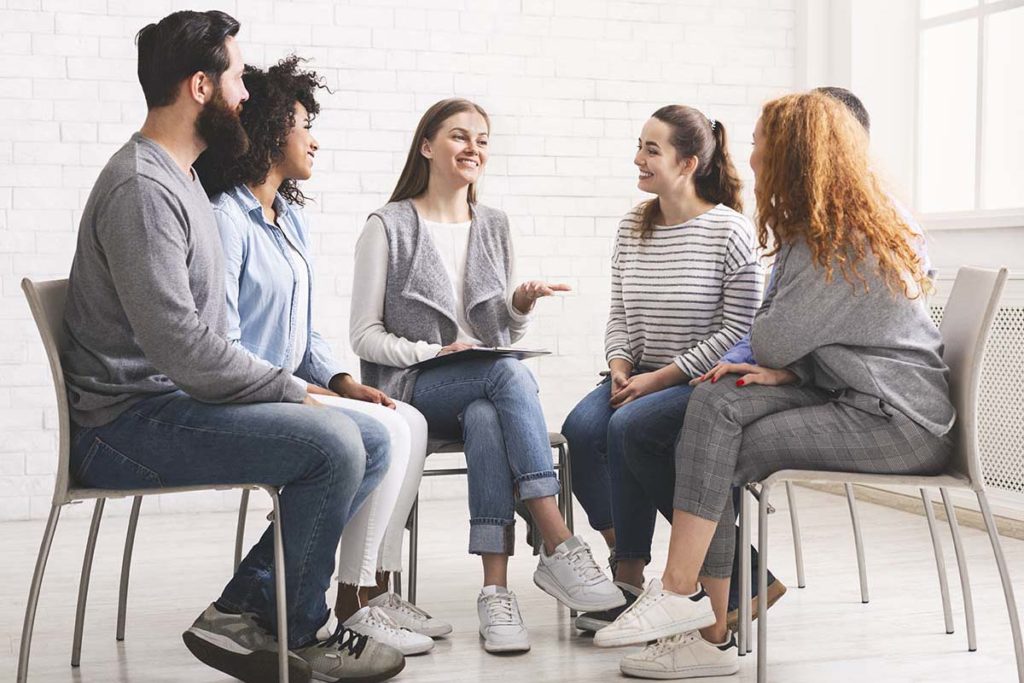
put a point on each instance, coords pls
(478, 353)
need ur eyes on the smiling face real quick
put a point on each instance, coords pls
(661, 170)
(299, 147)
(458, 151)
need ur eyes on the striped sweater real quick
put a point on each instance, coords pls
(685, 294)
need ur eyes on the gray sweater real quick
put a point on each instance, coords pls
(877, 350)
(145, 310)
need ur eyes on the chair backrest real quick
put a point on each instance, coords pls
(46, 299)
(966, 322)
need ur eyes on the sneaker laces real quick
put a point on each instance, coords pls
(344, 638)
(383, 620)
(642, 602)
(501, 608)
(664, 645)
(582, 560)
(405, 607)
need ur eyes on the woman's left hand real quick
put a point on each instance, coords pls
(349, 388)
(749, 374)
(526, 294)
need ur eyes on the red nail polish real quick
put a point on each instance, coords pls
(714, 379)
(740, 383)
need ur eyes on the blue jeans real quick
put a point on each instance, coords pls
(494, 407)
(623, 462)
(326, 462)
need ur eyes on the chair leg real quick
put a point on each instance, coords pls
(858, 543)
(414, 542)
(1004, 575)
(940, 561)
(33, 593)
(743, 623)
(961, 561)
(281, 592)
(762, 585)
(240, 532)
(83, 584)
(798, 550)
(126, 565)
(566, 473)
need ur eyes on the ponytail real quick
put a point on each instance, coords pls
(718, 181)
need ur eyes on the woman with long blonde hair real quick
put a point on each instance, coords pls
(851, 375)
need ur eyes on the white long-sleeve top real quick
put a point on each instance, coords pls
(370, 339)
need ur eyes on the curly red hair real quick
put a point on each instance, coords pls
(816, 183)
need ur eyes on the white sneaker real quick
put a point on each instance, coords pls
(657, 614)
(571, 576)
(501, 624)
(686, 655)
(408, 615)
(375, 623)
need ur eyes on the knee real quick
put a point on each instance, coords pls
(513, 372)
(713, 399)
(339, 444)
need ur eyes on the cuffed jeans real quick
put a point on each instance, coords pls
(494, 407)
(316, 456)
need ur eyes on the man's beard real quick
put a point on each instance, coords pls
(221, 129)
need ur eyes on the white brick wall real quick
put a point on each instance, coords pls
(568, 84)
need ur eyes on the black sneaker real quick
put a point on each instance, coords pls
(595, 621)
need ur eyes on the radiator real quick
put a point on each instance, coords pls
(1001, 396)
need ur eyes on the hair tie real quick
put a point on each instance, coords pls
(713, 123)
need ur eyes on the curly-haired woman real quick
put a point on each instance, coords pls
(258, 206)
(851, 375)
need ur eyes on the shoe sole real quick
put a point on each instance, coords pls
(499, 649)
(252, 667)
(590, 625)
(689, 672)
(733, 617)
(373, 678)
(547, 584)
(647, 636)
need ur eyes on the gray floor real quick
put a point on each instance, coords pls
(822, 633)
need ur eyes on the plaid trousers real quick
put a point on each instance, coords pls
(734, 435)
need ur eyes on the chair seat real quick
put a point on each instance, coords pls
(950, 480)
(439, 445)
(92, 494)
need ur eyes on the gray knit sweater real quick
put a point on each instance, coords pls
(877, 350)
(145, 305)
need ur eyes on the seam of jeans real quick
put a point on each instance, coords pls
(491, 521)
(145, 471)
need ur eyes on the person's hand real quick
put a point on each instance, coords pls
(636, 386)
(619, 380)
(749, 374)
(318, 390)
(310, 401)
(347, 387)
(526, 294)
(454, 348)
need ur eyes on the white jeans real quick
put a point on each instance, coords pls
(372, 540)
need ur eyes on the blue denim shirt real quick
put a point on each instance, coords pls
(261, 282)
(741, 353)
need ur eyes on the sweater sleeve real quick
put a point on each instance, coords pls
(370, 339)
(518, 322)
(145, 244)
(616, 335)
(741, 294)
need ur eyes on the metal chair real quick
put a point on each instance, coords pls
(965, 326)
(563, 465)
(46, 299)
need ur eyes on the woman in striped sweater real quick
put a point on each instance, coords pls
(685, 284)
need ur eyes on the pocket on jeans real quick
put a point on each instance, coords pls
(106, 467)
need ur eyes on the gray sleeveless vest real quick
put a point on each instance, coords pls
(418, 301)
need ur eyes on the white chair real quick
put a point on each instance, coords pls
(46, 299)
(965, 326)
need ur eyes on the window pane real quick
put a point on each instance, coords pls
(934, 8)
(946, 117)
(1002, 174)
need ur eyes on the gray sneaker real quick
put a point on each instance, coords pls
(344, 655)
(236, 645)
